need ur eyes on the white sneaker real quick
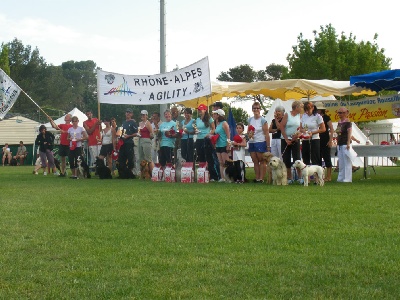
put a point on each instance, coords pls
(221, 180)
(36, 173)
(56, 174)
(44, 173)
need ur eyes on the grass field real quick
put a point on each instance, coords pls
(134, 239)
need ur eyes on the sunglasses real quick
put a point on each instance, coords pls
(341, 112)
(256, 108)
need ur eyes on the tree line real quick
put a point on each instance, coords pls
(58, 89)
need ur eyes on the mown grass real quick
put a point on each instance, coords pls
(120, 239)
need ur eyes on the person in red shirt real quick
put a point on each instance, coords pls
(92, 127)
(63, 149)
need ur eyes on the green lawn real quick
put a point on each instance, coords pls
(134, 239)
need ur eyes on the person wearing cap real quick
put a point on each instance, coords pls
(126, 153)
(108, 142)
(204, 148)
(222, 146)
(326, 140)
(259, 143)
(168, 132)
(145, 136)
(217, 105)
(187, 144)
(93, 127)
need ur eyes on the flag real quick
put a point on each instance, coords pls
(179, 85)
(9, 92)
(232, 124)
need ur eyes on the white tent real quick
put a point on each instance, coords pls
(16, 129)
(75, 113)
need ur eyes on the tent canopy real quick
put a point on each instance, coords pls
(74, 113)
(279, 89)
(378, 81)
(16, 129)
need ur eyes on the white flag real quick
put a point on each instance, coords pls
(184, 84)
(9, 92)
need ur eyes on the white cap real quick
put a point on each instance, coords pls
(144, 112)
(219, 112)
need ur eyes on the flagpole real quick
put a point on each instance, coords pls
(35, 103)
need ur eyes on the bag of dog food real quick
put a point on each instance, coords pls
(169, 173)
(157, 173)
(203, 176)
(187, 173)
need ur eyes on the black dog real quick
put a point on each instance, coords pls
(13, 162)
(230, 172)
(83, 168)
(57, 164)
(124, 172)
(102, 170)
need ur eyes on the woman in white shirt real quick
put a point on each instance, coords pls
(311, 125)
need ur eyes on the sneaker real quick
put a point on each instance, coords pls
(212, 180)
(290, 181)
(74, 177)
(221, 180)
(300, 181)
(36, 173)
(44, 173)
(56, 174)
(260, 181)
(61, 175)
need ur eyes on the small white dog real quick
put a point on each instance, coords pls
(307, 171)
(279, 172)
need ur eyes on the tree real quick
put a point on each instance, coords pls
(331, 57)
(4, 62)
(242, 73)
(276, 72)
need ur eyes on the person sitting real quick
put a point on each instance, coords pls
(21, 153)
(6, 154)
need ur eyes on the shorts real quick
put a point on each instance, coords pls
(260, 147)
(63, 150)
(221, 150)
(106, 149)
(145, 149)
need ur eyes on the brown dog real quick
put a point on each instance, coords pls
(144, 170)
(267, 157)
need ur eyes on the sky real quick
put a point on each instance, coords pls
(123, 36)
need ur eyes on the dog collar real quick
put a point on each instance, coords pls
(304, 167)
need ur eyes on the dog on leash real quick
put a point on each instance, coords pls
(267, 158)
(307, 171)
(102, 170)
(57, 164)
(145, 170)
(279, 172)
(83, 168)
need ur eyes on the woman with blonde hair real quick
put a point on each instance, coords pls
(290, 146)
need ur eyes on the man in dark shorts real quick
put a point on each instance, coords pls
(63, 150)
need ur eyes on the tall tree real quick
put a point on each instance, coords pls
(276, 72)
(4, 62)
(337, 58)
(242, 73)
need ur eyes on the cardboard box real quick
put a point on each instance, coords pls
(169, 173)
(203, 176)
(157, 173)
(187, 173)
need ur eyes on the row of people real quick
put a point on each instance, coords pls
(19, 156)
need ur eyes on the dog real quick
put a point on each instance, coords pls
(102, 170)
(57, 164)
(83, 168)
(230, 172)
(307, 171)
(13, 162)
(124, 172)
(144, 170)
(178, 166)
(267, 157)
(279, 172)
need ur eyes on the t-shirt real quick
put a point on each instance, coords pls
(311, 123)
(201, 127)
(342, 131)
(76, 133)
(222, 140)
(64, 136)
(94, 137)
(164, 127)
(189, 127)
(129, 127)
(259, 132)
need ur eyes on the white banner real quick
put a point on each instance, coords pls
(9, 92)
(184, 84)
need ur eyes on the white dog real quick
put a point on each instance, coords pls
(279, 172)
(307, 171)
